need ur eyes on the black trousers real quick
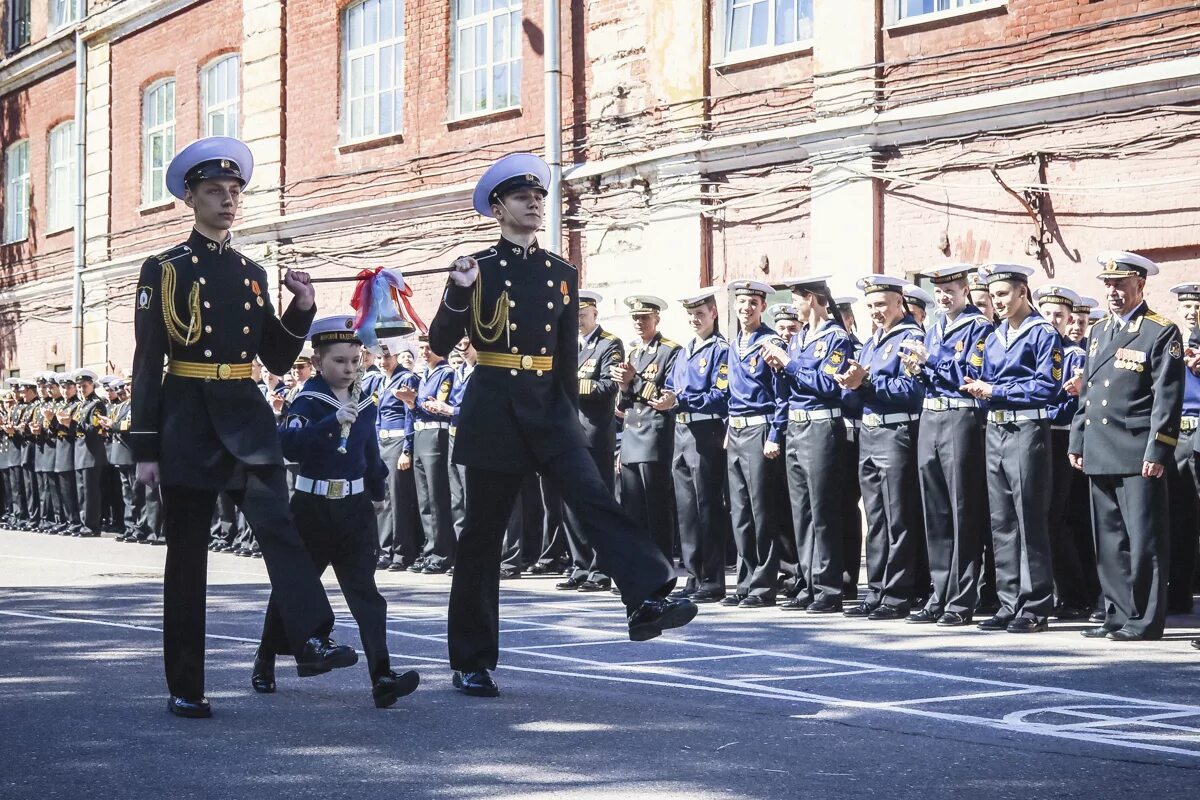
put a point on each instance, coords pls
(50, 499)
(342, 534)
(294, 582)
(1074, 567)
(14, 479)
(68, 492)
(757, 497)
(699, 473)
(31, 494)
(112, 498)
(1018, 474)
(887, 468)
(1130, 518)
(1185, 528)
(431, 465)
(134, 495)
(950, 465)
(583, 555)
(636, 563)
(851, 515)
(87, 487)
(525, 525)
(815, 451)
(648, 496)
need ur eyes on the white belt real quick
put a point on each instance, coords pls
(801, 415)
(947, 403)
(1002, 417)
(332, 490)
(1060, 427)
(428, 426)
(877, 420)
(747, 422)
(852, 424)
(684, 417)
(1188, 424)
(393, 434)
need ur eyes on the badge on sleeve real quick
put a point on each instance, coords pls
(296, 421)
(723, 377)
(144, 296)
(1175, 350)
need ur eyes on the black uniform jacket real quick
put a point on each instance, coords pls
(649, 435)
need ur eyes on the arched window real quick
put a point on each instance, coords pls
(16, 192)
(220, 96)
(487, 56)
(158, 139)
(61, 178)
(372, 69)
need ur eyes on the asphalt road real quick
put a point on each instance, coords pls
(755, 704)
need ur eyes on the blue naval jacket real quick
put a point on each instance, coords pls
(393, 414)
(891, 390)
(438, 384)
(462, 377)
(955, 352)
(310, 435)
(754, 388)
(815, 360)
(699, 377)
(1027, 372)
(1063, 406)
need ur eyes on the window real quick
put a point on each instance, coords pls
(16, 192)
(220, 97)
(158, 139)
(61, 186)
(766, 24)
(373, 69)
(18, 27)
(915, 8)
(63, 13)
(487, 56)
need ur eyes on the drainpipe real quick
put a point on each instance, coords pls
(553, 101)
(80, 182)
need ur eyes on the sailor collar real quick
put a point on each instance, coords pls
(903, 326)
(696, 344)
(1034, 320)
(316, 388)
(969, 315)
(827, 327)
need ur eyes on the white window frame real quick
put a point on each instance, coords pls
(154, 178)
(61, 177)
(63, 13)
(221, 95)
(953, 8)
(770, 47)
(372, 71)
(16, 192)
(488, 67)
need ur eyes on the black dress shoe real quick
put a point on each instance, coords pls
(702, 597)
(509, 574)
(435, 569)
(1027, 625)
(820, 606)
(923, 617)
(1126, 635)
(860, 610)
(1097, 633)
(158, 541)
(192, 709)
(383, 563)
(256, 554)
(1071, 613)
(756, 601)
(595, 586)
(887, 612)
(1097, 616)
(996, 623)
(731, 600)
(954, 619)
(570, 584)
(390, 687)
(681, 594)
(658, 614)
(416, 566)
(477, 684)
(397, 566)
(540, 568)
(322, 655)
(263, 676)
(795, 604)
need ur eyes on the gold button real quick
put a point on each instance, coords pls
(195, 260)
(243, 262)
(547, 262)
(246, 282)
(247, 306)
(1104, 421)
(543, 351)
(246, 329)
(1089, 384)
(207, 304)
(208, 328)
(512, 326)
(515, 351)
(244, 355)
(512, 303)
(512, 372)
(547, 329)
(1103, 402)
(202, 281)
(1106, 384)
(550, 306)
(539, 372)
(526, 362)
(508, 283)
(503, 263)
(208, 353)
(1087, 422)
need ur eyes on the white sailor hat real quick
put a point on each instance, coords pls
(1187, 291)
(949, 273)
(1096, 314)
(1085, 304)
(84, 375)
(994, 273)
(64, 378)
(513, 171)
(395, 345)
(1119, 264)
(845, 301)
(46, 377)
(589, 299)
(644, 304)
(108, 381)
(1056, 293)
(748, 287)
(329, 330)
(783, 311)
(806, 281)
(13, 382)
(700, 298)
(975, 281)
(207, 159)
(872, 284)
(916, 295)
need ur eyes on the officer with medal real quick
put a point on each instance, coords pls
(891, 398)
(520, 306)
(919, 303)
(1022, 372)
(816, 446)
(90, 452)
(204, 309)
(1184, 489)
(697, 390)
(600, 352)
(1123, 438)
(950, 450)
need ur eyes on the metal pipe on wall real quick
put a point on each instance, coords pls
(80, 205)
(553, 101)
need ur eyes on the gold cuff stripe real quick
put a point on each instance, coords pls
(1168, 440)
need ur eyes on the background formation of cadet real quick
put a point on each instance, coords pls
(949, 422)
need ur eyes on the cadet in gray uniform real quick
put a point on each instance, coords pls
(1123, 437)
(66, 424)
(90, 455)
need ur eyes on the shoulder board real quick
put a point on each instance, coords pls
(173, 253)
(1074, 348)
(482, 254)
(1159, 318)
(665, 342)
(607, 335)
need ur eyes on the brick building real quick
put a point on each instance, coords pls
(704, 140)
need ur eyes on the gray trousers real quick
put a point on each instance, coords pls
(757, 490)
(816, 451)
(583, 555)
(950, 464)
(431, 463)
(1018, 478)
(887, 471)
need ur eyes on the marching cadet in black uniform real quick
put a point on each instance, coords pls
(1184, 489)
(330, 434)
(90, 456)
(697, 390)
(1022, 371)
(65, 427)
(648, 436)
(520, 306)
(816, 443)
(950, 451)
(887, 466)
(430, 421)
(1123, 437)
(203, 308)
(599, 353)
(112, 499)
